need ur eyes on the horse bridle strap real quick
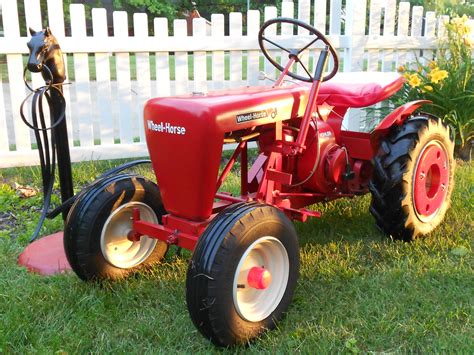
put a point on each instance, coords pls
(47, 148)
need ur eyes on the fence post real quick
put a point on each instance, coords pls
(81, 113)
(218, 61)
(181, 69)
(140, 30)
(200, 57)
(320, 15)
(162, 59)
(355, 27)
(354, 55)
(430, 32)
(56, 24)
(270, 13)
(373, 55)
(253, 57)
(402, 30)
(235, 32)
(416, 32)
(11, 28)
(4, 146)
(102, 72)
(304, 11)
(389, 30)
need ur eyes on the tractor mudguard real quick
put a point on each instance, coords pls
(396, 118)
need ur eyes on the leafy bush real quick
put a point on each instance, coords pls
(445, 7)
(448, 82)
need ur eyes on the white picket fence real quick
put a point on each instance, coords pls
(104, 114)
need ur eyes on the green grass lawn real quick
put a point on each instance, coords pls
(357, 292)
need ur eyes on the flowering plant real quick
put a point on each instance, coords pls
(448, 82)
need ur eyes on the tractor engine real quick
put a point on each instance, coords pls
(321, 166)
(329, 157)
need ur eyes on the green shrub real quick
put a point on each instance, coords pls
(448, 82)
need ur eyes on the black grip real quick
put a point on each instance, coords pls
(318, 73)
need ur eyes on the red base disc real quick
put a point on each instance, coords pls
(45, 256)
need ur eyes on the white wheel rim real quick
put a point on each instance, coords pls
(117, 249)
(254, 304)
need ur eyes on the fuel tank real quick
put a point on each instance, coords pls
(185, 134)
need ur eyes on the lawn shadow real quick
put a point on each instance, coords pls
(345, 220)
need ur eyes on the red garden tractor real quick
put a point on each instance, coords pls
(245, 261)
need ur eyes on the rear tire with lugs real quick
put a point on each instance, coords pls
(413, 178)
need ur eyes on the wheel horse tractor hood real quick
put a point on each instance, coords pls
(185, 133)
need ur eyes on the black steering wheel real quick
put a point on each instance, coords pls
(296, 52)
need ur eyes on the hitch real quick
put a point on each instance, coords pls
(167, 232)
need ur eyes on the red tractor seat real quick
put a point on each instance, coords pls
(359, 89)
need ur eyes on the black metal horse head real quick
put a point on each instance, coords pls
(45, 51)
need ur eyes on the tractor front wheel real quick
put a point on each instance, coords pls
(96, 234)
(413, 178)
(243, 273)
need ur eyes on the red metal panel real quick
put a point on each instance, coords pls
(357, 144)
(185, 147)
(244, 174)
(396, 118)
(278, 176)
(185, 134)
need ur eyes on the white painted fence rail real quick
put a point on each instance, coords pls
(115, 75)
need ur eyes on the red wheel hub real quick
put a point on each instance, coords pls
(259, 278)
(431, 180)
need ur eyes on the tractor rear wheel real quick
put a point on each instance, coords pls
(96, 234)
(413, 178)
(243, 273)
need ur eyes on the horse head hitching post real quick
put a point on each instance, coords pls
(46, 58)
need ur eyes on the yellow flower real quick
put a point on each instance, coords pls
(456, 21)
(401, 69)
(459, 25)
(464, 19)
(468, 42)
(432, 64)
(414, 80)
(438, 75)
(432, 72)
(465, 30)
(427, 88)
